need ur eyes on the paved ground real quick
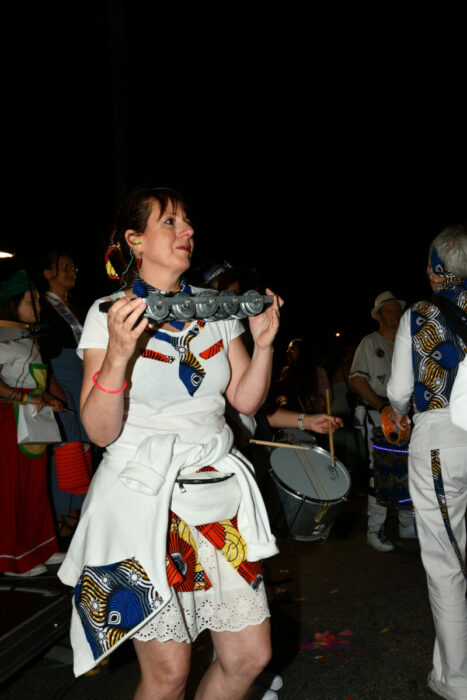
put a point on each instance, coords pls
(374, 604)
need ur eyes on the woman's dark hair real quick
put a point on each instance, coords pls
(9, 309)
(133, 215)
(50, 259)
(300, 377)
(47, 261)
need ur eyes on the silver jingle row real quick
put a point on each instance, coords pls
(208, 305)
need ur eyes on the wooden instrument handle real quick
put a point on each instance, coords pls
(331, 437)
(14, 324)
(267, 443)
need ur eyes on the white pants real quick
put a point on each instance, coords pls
(376, 512)
(446, 583)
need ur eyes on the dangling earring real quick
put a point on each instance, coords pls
(139, 262)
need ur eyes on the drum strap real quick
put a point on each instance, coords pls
(441, 496)
(368, 408)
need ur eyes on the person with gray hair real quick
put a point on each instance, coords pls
(427, 353)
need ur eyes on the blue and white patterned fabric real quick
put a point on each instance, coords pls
(111, 600)
(190, 371)
(436, 349)
(142, 289)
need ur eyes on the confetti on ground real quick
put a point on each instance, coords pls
(326, 644)
(346, 633)
(284, 571)
(335, 590)
(361, 653)
(384, 630)
(298, 600)
(326, 580)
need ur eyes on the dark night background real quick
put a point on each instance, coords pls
(327, 160)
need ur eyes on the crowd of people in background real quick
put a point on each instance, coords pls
(41, 370)
(407, 365)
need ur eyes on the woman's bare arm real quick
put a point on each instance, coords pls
(15, 395)
(251, 377)
(318, 422)
(101, 411)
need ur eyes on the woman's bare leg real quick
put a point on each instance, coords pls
(164, 669)
(241, 656)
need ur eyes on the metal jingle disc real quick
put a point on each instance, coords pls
(229, 302)
(157, 307)
(252, 303)
(220, 314)
(206, 304)
(183, 306)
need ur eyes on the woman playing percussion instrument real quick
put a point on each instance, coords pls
(173, 527)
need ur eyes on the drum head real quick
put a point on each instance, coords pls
(309, 473)
(297, 437)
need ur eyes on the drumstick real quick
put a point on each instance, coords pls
(278, 444)
(331, 438)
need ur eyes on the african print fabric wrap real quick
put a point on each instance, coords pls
(111, 600)
(436, 351)
(185, 572)
(225, 536)
(440, 495)
(439, 268)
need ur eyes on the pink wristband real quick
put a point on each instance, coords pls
(107, 391)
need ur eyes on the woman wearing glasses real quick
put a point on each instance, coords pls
(58, 348)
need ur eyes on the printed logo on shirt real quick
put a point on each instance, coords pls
(379, 352)
(381, 378)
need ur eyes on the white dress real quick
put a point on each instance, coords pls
(173, 425)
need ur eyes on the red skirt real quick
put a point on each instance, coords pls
(27, 532)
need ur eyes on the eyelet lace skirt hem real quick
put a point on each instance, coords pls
(229, 606)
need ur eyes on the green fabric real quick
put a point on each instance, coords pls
(18, 284)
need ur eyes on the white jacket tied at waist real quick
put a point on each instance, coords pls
(126, 511)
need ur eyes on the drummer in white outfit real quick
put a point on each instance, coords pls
(425, 362)
(369, 376)
(126, 512)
